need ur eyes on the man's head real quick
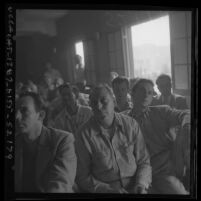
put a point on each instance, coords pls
(102, 103)
(67, 94)
(164, 84)
(30, 112)
(120, 86)
(142, 92)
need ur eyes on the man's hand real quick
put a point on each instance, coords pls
(122, 190)
(118, 190)
(140, 189)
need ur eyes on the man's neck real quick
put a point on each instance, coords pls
(33, 135)
(106, 123)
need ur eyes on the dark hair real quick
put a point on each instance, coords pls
(162, 76)
(65, 85)
(101, 86)
(139, 81)
(119, 80)
(38, 101)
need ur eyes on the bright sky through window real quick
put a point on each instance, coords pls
(151, 49)
(80, 50)
(155, 31)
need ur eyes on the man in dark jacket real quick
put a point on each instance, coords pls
(45, 159)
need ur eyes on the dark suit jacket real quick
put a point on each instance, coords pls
(56, 162)
(176, 101)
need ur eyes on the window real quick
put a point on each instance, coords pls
(79, 50)
(151, 48)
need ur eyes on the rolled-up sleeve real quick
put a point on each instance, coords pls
(175, 117)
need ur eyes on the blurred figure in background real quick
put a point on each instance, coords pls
(112, 76)
(164, 84)
(73, 114)
(120, 86)
(82, 98)
(18, 89)
(79, 72)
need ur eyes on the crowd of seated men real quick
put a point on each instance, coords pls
(119, 139)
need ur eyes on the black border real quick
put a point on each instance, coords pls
(9, 73)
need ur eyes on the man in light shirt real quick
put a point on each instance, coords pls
(73, 114)
(112, 156)
(169, 154)
(120, 86)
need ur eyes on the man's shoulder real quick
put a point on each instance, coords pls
(57, 134)
(124, 115)
(125, 119)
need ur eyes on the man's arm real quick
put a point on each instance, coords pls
(144, 171)
(62, 172)
(175, 117)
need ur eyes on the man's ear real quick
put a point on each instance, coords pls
(42, 114)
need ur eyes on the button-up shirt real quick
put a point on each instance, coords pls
(106, 161)
(65, 121)
(155, 123)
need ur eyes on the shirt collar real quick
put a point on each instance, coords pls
(117, 123)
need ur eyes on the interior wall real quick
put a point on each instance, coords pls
(94, 26)
(34, 50)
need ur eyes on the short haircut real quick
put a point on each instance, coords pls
(38, 101)
(120, 79)
(101, 86)
(65, 85)
(162, 76)
(139, 81)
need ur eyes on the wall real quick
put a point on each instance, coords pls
(31, 54)
(95, 26)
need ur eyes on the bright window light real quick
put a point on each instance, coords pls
(151, 48)
(80, 50)
(154, 32)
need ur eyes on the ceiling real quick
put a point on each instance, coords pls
(29, 21)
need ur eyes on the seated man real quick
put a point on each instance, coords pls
(112, 156)
(82, 98)
(73, 114)
(167, 97)
(120, 86)
(45, 159)
(155, 122)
